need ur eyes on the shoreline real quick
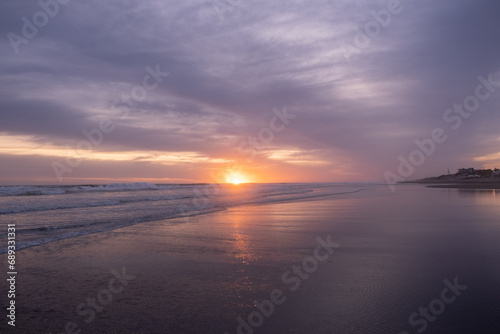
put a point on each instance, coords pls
(484, 186)
(458, 184)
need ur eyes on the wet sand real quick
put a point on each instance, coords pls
(201, 276)
(468, 185)
(457, 183)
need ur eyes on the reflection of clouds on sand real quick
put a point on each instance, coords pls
(486, 206)
(481, 196)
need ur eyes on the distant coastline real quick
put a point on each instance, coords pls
(466, 178)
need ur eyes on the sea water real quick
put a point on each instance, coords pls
(43, 214)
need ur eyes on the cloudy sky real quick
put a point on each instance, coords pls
(280, 91)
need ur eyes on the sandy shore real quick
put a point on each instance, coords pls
(495, 185)
(464, 184)
(200, 276)
(168, 276)
(158, 271)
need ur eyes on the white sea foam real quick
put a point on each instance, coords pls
(119, 186)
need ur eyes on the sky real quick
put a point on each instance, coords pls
(266, 91)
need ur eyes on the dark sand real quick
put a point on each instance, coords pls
(200, 276)
(457, 183)
(468, 185)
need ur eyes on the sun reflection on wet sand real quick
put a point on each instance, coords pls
(241, 245)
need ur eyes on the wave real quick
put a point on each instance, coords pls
(92, 228)
(58, 190)
(223, 196)
(30, 191)
(103, 203)
(121, 186)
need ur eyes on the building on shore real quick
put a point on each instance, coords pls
(466, 171)
(473, 173)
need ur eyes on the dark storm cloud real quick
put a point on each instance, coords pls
(227, 74)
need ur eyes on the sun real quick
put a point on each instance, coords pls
(235, 181)
(235, 178)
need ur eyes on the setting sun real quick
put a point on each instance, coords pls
(235, 181)
(235, 178)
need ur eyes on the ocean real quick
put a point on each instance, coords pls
(44, 214)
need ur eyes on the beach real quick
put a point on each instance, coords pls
(468, 185)
(390, 255)
(457, 183)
